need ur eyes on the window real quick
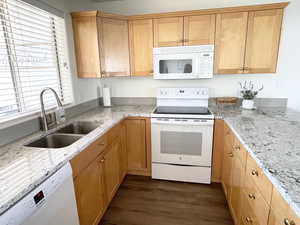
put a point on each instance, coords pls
(32, 56)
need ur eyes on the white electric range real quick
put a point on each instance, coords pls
(182, 135)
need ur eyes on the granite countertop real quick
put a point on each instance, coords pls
(270, 135)
(24, 168)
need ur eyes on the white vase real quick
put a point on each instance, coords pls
(248, 104)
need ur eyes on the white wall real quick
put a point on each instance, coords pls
(283, 84)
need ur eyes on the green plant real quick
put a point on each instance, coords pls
(248, 91)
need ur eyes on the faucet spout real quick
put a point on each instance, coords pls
(59, 104)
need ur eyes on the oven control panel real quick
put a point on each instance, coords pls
(183, 93)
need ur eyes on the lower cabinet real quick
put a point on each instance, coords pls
(111, 165)
(138, 145)
(90, 193)
(99, 170)
(251, 196)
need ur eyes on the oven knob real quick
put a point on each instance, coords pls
(180, 158)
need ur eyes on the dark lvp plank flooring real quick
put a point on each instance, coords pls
(143, 201)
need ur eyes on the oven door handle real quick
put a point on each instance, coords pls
(194, 122)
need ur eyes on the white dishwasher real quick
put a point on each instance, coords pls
(51, 203)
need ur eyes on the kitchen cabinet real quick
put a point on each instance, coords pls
(168, 32)
(111, 168)
(199, 30)
(281, 213)
(231, 33)
(90, 194)
(235, 200)
(138, 145)
(123, 155)
(141, 47)
(227, 161)
(248, 42)
(114, 47)
(218, 146)
(264, 28)
(101, 44)
(85, 29)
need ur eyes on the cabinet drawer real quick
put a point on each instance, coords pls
(248, 217)
(281, 213)
(258, 177)
(84, 158)
(256, 202)
(239, 151)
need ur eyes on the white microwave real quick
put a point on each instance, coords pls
(184, 62)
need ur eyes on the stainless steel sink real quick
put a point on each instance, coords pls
(80, 127)
(54, 141)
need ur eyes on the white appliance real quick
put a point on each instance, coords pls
(185, 62)
(106, 97)
(51, 203)
(182, 135)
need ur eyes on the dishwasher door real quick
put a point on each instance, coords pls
(51, 203)
(59, 209)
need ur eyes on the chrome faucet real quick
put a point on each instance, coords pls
(59, 113)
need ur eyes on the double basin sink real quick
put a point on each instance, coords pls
(65, 136)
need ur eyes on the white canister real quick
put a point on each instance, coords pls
(106, 97)
(248, 104)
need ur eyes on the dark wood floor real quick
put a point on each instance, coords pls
(142, 201)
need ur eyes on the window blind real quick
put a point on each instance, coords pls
(32, 56)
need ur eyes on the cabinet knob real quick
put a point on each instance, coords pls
(237, 147)
(254, 173)
(248, 220)
(252, 196)
(230, 155)
(288, 222)
(102, 160)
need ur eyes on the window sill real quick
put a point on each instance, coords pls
(27, 117)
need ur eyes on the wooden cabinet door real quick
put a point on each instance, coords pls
(218, 151)
(168, 32)
(227, 161)
(138, 143)
(281, 212)
(199, 30)
(231, 32)
(263, 37)
(238, 172)
(111, 163)
(114, 47)
(86, 45)
(90, 195)
(123, 153)
(141, 47)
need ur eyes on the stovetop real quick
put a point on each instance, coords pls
(182, 112)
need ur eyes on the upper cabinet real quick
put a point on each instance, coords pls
(199, 30)
(248, 42)
(141, 47)
(230, 42)
(188, 30)
(86, 44)
(114, 47)
(264, 28)
(168, 32)
(101, 44)
(246, 39)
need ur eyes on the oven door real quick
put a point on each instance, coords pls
(175, 66)
(182, 142)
